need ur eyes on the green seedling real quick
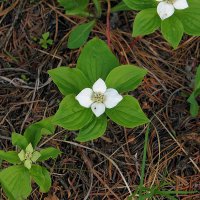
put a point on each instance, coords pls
(45, 42)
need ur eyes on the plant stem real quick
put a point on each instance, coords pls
(144, 160)
(108, 24)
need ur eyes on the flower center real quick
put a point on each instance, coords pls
(28, 155)
(98, 97)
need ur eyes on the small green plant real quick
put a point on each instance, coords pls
(173, 17)
(16, 179)
(80, 33)
(24, 78)
(93, 91)
(194, 106)
(45, 41)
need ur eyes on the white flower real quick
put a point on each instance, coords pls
(166, 8)
(29, 156)
(99, 97)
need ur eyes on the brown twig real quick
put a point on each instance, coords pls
(8, 35)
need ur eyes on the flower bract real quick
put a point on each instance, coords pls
(28, 156)
(99, 97)
(166, 8)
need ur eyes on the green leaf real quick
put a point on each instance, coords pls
(171, 192)
(49, 41)
(146, 22)
(74, 4)
(42, 177)
(140, 5)
(45, 36)
(94, 130)
(78, 12)
(128, 113)
(97, 4)
(49, 152)
(19, 140)
(79, 35)
(125, 78)
(190, 20)
(10, 156)
(71, 115)
(35, 131)
(197, 82)
(193, 3)
(172, 30)
(120, 7)
(96, 60)
(44, 45)
(68, 80)
(16, 182)
(194, 107)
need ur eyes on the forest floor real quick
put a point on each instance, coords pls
(28, 95)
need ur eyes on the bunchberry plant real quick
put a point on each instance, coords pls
(45, 41)
(194, 106)
(173, 17)
(93, 93)
(16, 179)
(80, 33)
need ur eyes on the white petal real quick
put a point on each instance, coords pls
(85, 97)
(180, 4)
(112, 98)
(98, 109)
(165, 10)
(29, 148)
(159, 0)
(99, 86)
